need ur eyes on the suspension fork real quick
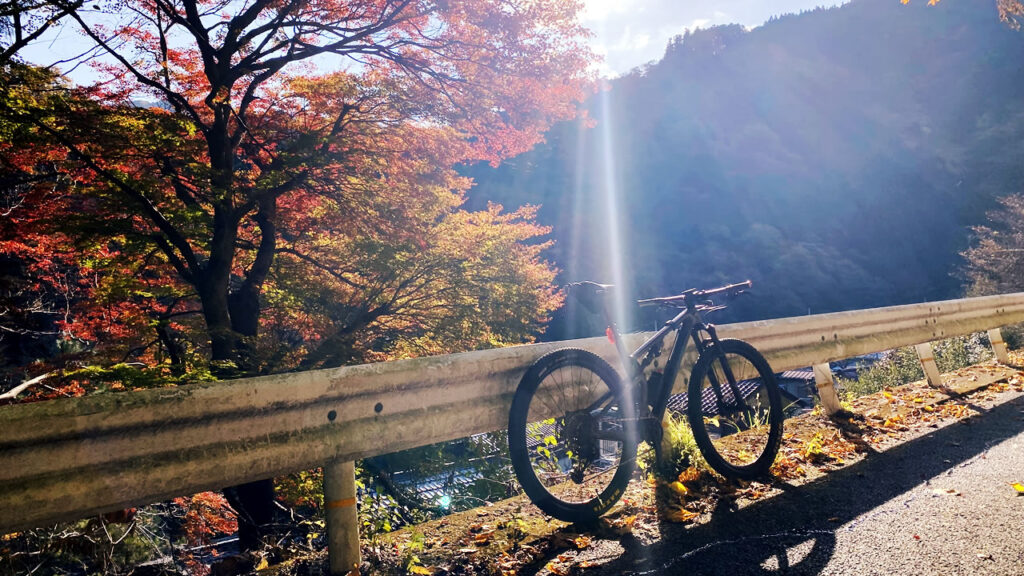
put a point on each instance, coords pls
(716, 386)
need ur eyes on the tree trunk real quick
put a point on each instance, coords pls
(254, 501)
(218, 324)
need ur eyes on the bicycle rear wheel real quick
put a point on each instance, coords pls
(571, 435)
(735, 409)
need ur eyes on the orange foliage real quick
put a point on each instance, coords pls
(272, 214)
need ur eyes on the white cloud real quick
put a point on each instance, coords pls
(632, 32)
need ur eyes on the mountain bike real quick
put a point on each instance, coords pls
(575, 424)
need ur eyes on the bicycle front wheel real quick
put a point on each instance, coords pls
(735, 409)
(571, 435)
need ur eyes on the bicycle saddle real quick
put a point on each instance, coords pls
(590, 294)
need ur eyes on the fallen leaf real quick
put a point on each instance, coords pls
(557, 569)
(680, 515)
(691, 474)
(581, 542)
(623, 525)
(1018, 487)
(678, 488)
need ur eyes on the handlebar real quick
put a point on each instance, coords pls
(687, 297)
(731, 289)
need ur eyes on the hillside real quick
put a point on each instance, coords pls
(837, 158)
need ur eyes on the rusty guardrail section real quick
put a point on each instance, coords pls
(67, 459)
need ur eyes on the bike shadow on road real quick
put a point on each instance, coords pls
(795, 532)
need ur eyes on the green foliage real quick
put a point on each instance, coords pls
(896, 367)
(380, 513)
(135, 376)
(1013, 335)
(955, 353)
(303, 489)
(902, 365)
(678, 448)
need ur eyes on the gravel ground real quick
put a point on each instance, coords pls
(938, 503)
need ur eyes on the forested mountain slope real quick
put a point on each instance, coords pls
(836, 157)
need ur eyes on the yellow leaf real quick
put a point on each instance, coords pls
(1018, 487)
(623, 525)
(557, 569)
(420, 570)
(680, 515)
(678, 488)
(581, 542)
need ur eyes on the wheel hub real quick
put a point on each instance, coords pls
(579, 436)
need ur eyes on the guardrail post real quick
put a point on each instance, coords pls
(931, 371)
(826, 388)
(995, 337)
(342, 518)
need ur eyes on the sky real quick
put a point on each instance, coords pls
(628, 33)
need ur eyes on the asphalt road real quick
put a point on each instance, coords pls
(939, 504)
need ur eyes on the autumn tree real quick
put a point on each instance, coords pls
(246, 152)
(994, 263)
(25, 21)
(469, 80)
(1010, 11)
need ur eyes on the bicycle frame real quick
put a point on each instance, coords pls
(688, 325)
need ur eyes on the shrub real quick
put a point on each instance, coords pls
(901, 365)
(679, 449)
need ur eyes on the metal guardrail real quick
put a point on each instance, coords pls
(67, 459)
